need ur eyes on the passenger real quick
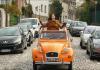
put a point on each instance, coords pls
(53, 24)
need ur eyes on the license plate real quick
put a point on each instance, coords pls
(52, 59)
(5, 50)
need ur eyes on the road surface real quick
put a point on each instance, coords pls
(9, 61)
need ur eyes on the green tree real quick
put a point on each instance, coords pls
(56, 8)
(85, 11)
(27, 11)
(13, 11)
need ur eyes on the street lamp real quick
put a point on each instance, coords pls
(95, 10)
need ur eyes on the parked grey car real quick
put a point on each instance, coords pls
(27, 31)
(85, 34)
(76, 27)
(68, 23)
(12, 39)
(93, 48)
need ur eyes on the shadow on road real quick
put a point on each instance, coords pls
(9, 53)
(53, 67)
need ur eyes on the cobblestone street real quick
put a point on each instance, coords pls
(24, 61)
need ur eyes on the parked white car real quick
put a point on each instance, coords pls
(35, 23)
(85, 34)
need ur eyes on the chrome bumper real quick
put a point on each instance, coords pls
(49, 63)
(52, 62)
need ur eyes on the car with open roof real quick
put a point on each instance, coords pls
(54, 47)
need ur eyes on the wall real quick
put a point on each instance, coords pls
(40, 7)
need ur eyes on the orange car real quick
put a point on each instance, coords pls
(54, 47)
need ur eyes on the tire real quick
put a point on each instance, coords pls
(87, 52)
(29, 44)
(82, 47)
(20, 51)
(25, 46)
(91, 55)
(34, 66)
(22, 48)
(70, 66)
(17, 51)
(81, 43)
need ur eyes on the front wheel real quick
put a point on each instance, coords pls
(91, 55)
(34, 66)
(70, 66)
(87, 52)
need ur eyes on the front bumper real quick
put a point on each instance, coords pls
(10, 46)
(49, 63)
(55, 61)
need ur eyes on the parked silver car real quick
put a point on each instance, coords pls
(76, 27)
(93, 48)
(85, 34)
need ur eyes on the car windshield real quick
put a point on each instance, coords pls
(53, 35)
(9, 31)
(97, 35)
(80, 24)
(33, 21)
(88, 30)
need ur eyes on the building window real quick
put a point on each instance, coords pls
(3, 1)
(45, 9)
(41, 8)
(36, 8)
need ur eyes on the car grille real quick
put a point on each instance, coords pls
(7, 46)
(52, 54)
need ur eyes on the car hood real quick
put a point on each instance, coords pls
(8, 37)
(78, 28)
(52, 46)
(96, 41)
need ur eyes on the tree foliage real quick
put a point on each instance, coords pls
(27, 11)
(56, 9)
(86, 11)
(13, 11)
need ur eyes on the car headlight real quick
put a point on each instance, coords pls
(18, 40)
(65, 50)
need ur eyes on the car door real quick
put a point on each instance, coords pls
(91, 41)
(23, 36)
